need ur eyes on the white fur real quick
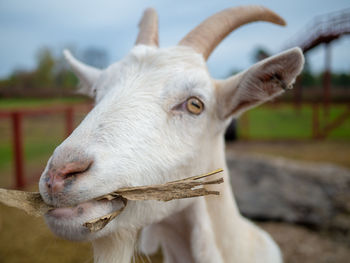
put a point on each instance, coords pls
(137, 136)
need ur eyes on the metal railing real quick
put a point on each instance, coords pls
(322, 29)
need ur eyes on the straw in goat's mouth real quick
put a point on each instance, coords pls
(33, 204)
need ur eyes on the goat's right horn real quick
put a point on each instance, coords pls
(206, 36)
(148, 28)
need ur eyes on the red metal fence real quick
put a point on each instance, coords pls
(16, 117)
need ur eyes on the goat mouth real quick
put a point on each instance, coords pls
(94, 215)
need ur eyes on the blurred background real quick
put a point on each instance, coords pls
(292, 154)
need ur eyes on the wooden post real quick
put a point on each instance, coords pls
(18, 148)
(69, 114)
(327, 80)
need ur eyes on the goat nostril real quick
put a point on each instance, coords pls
(76, 168)
(60, 177)
(73, 174)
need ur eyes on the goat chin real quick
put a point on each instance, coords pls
(67, 222)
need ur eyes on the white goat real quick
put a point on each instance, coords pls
(159, 116)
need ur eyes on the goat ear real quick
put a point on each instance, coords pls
(87, 75)
(260, 83)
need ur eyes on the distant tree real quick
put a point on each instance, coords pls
(51, 77)
(307, 79)
(45, 68)
(342, 79)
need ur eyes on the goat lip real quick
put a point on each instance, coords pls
(69, 212)
(81, 209)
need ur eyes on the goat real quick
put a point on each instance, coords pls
(159, 116)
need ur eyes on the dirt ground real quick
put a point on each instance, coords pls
(298, 243)
(302, 245)
(26, 239)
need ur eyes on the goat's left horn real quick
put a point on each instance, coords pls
(148, 26)
(206, 36)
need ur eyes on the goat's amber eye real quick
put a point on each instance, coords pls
(194, 105)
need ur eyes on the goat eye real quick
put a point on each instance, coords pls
(194, 105)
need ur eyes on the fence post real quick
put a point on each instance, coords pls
(69, 113)
(18, 148)
(327, 80)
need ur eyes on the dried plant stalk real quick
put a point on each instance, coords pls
(184, 188)
(32, 203)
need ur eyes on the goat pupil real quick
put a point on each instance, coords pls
(195, 104)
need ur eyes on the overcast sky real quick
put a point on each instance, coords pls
(25, 26)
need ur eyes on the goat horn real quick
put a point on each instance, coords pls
(206, 36)
(148, 26)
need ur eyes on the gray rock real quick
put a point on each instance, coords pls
(268, 188)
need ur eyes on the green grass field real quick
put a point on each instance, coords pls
(282, 121)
